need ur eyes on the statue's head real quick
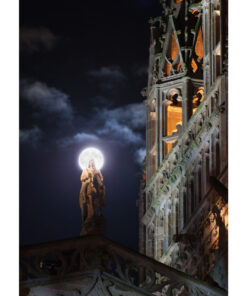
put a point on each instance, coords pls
(91, 164)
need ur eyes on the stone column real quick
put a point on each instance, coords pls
(205, 21)
(203, 173)
(223, 125)
(196, 185)
(192, 192)
(199, 183)
(166, 238)
(188, 196)
(147, 141)
(161, 123)
(207, 168)
(186, 101)
(224, 34)
(180, 210)
(173, 218)
(157, 129)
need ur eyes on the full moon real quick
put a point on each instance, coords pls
(88, 154)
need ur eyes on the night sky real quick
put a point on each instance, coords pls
(82, 67)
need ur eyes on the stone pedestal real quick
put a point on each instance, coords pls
(95, 225)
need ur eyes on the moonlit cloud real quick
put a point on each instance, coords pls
(36, 39)
(121, 132)
(31, 136)
(132, 115)
(123, 123)
(47, 100)
(78, 138)
(140, 155)
(122, 126)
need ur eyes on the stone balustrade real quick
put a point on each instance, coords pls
(96, 258)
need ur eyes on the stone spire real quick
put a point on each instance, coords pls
(92, 200)
(176, 42)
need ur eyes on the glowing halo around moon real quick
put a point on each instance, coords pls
(91, 153)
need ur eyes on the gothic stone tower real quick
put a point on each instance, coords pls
(183, 203)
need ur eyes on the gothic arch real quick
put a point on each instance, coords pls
(171, 61)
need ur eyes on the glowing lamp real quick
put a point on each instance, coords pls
(89, 154)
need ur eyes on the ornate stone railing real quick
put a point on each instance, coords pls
(96, 256)
(185, 149)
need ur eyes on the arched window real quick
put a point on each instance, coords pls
(173, 117)
(173, 111)
(197, 99)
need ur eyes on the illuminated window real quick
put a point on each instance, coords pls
(168, 145)
(172, 60)
(198, 54)
(199, 45)
(173, 112)
(194, 65)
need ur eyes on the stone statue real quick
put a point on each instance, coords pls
(92, 198)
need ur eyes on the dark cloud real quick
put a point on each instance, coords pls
(101, 101)
(31, 136)
(122, 125)
(108, 77)
(132, 115)
(47, 100)
(36, 39)
(112, 72)
(142, 71)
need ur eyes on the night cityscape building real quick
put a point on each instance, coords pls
(183, 203)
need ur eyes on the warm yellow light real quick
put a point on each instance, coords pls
(89, 154)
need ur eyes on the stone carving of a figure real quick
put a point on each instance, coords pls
(92, 194)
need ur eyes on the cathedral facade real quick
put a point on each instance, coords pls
(183, 204)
